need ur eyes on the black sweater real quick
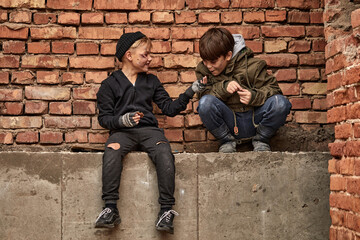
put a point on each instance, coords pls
(117, 96)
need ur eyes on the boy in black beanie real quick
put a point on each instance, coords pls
(125, 108)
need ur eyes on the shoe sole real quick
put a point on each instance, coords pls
(165, 229)
(103, 225)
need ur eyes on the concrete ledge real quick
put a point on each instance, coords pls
(219, 196)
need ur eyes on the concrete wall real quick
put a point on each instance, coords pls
(219, 196)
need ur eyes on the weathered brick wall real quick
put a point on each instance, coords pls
(54, 55)
(342, 32)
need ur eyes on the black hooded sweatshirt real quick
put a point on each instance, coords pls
(117, 96)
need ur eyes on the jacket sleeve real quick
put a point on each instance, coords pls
(106, 105)
(168, 106)
(264, 85)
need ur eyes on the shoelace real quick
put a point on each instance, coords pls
(106, 210)
(167, 216)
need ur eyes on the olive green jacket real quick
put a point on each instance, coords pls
(249, 72)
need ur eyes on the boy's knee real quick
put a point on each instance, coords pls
(281, 105)
(205, 103)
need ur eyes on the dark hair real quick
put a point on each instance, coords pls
(216, 42)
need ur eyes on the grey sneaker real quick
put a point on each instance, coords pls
(165, 220)
(108, 218)
(228, 147)
(260, 146)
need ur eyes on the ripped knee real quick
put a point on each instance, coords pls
(115, 146)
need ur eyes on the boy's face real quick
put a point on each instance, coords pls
(217, 66)
(141, 58)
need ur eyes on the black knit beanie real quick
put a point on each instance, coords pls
(125, 42)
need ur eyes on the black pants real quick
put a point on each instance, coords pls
(150, 140)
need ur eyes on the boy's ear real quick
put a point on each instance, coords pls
(128, 55)
(228, 56)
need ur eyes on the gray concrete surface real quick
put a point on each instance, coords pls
(219, 196)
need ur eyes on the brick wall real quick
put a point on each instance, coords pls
(342, 32)
(54, 55)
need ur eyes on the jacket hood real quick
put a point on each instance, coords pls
(239, 44)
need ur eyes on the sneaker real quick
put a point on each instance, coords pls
(165, 220)
(108, 218)
(260, 146)
(228, 147)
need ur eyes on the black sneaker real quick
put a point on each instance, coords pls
(108, 218)
(165, 220)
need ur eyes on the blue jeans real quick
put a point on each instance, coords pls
(218, 118)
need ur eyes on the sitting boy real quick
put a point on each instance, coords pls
(125, 108)
(241, 100)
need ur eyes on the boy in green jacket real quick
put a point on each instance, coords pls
(241, 100)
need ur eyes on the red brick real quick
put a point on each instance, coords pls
(6, 138)
(9, 61)
(174, 135)
(13, 47)
(156, 62)
(185, 61)
(76, 137)
(92, 18)
(300, 103)
(193, 120)
(174, 90)
(188, 33)
(95, 124)
(343, 131)
(209, 17)
(69, 18)
(357, 130)
(85, 93)
(92, 62)
(84, 108)
(308, 74)
(95, 77)
(290, 88)
(194, 135)
(337, 183)
(51, 137)
(87, 48)
(11, 108)
(253, 4)
(182, 47)
(171, 122)
(275, 46)
(334, 81)
(352, 148)
(195, 4)
(72, 78)
(353, 111)
(231, 17)
(69, 4)
(332, 166)
(187, 77)
(8, 33)
(63, 47)
(299, 46)
(353, 186)
(139, 17)
(283, 31)
(319, 104)
(336, 114)
(115, 18)
(298, 17)
(167, 76)
(185, 17)
(11, 94)
(53, 33)
(334, 47)
(336, 149)
(38, 47)
(337, 217)
(248, 32)
(60, 108)
(22, 77)
(287, 74)
(44, 61)
(254, 17)
(301, 4)
(316, 17)
(20, 122)
(346, 164)
(20, 17)
(162, 17)
(351, 75)
(4, 78)
(355, 18)
(32, 107)
(318, 45)
(280, 60)
(3, 16)
(335, 64)
(310, 117)
(44, 18)
(67, 122)
(47, 77)
(100, 33)
(108, 49)
(255, 46)
(314, 31)
(47, 93)
(160, 47)
(312, 59)
(341, 97)
(275, 16)
(27, 137)
(98, 137)
(162, 5)
(357, 173)
(152, 33)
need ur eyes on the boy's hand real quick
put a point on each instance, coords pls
(245, 95)
(130, 119)
(232, 87)
(199, 85)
